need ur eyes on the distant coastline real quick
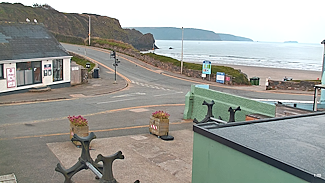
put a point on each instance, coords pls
(291, 42)
(173, 33)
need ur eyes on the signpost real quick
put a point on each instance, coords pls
(206, 68)
(115, 64)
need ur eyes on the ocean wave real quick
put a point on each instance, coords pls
(298, 56)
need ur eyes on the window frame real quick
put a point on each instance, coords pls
(57, 71)
(2, 72)
(27, 66)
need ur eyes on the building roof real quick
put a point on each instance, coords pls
(294, 144)
(28, 41)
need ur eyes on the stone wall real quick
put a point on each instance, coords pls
(291, 85)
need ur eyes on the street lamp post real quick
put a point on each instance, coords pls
(322, 95)
(182, 51)
(323, 69)
(89, 30)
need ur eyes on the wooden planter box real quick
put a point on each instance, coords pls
(81, 131)
(159, 126)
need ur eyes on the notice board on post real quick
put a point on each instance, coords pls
(206, 67)
(220, 77)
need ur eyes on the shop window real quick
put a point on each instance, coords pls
(58, 70)
(1, 71)
(28, 73)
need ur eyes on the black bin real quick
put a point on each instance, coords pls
(96, 73)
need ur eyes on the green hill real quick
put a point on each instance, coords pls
(67, 26)
(173, 33)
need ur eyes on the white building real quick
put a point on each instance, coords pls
(31, 57)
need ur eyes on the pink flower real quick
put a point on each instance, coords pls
(160, 114)
(78, 120)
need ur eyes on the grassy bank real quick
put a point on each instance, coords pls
(238, 77)
(113, 43)
(81, 61)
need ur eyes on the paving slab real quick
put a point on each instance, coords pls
(147, 158)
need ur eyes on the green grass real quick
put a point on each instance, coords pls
(69, 39)
(112, 42)
(238, 77)
(83, 62)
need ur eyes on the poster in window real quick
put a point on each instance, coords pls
(11, 77)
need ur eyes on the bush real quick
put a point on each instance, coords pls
(81, 61)
(69, 39)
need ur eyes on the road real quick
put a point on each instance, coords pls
(25, 129)
(140, 75)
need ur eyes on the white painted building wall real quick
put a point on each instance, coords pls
(46, 80)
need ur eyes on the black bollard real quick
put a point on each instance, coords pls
(103, 172)
(209, 113)
(81, 164)
(107, 166)
(232, 113)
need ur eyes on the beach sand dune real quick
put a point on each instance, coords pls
(276, 73)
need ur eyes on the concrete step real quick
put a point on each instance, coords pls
(43, 88)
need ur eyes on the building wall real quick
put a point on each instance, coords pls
(75, 74)
(195, 109)
(46, 80)
(3, 82)
(67, 70)
(215, 162)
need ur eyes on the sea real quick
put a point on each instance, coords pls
(299, 56)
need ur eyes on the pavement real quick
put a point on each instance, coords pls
(147, 158)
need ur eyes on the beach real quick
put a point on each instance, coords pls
(275, 73)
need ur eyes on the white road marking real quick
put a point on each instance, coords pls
(149, 86)
(129, 95)
(167, 94)
(116, 101)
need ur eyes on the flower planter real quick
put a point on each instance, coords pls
(159, 126)
(81, 131)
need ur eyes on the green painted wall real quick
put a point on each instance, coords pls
(217, 163)
(195, 109)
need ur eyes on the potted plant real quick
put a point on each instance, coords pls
(159, 123)
(79, 126)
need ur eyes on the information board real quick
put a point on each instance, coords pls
(221, 77)
(11, 77)
(206, 67)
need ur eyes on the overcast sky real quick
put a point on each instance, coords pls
(260, 20)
